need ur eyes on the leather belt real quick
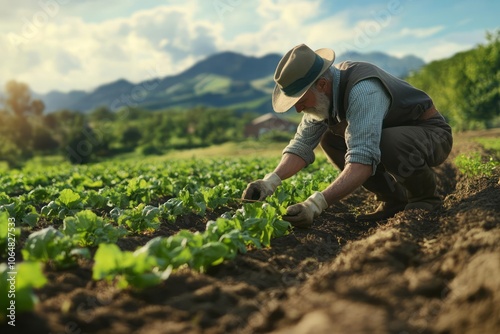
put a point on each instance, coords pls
(429, 113)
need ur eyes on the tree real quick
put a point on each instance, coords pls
(20, 113)
(131, 137)
(64, 124)
(465, 87)
(19, 101)
(102, 114)
(43, 139)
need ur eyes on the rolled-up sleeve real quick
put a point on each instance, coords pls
(307, 137)
(368, 104)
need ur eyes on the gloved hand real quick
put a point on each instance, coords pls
(260, 189)
(303, 214)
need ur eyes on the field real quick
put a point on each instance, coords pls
(164, 245)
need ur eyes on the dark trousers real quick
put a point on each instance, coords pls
(407, 154)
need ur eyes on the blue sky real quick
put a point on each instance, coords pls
(73, 44)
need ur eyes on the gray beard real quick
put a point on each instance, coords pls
(320, 111)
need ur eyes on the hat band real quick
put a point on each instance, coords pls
(303, 82)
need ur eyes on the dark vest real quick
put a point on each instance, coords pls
(407, 102)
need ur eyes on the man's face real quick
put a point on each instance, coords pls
(314, 103)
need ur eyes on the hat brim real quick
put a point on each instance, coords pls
(282, 102)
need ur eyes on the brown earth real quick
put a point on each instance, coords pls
(418, 272)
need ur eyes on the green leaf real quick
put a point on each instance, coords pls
(140, 219)
(48, 209)
(49, 245)
(28, 276)
(151, 212)
(174, 206)
(214, 252)
(87, 229)
(69, 198)
(82, 253)
(96, 200)
(38, 195)
(40, 245)
(136, 269)
(5, 229)
(144, 280)
(107, 260)
(30, 219)
(70, 226)
(281, 227)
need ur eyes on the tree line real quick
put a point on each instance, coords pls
(25, 130)
(466, 87)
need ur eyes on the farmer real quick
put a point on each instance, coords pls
(382, 133)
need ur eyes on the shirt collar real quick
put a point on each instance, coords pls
(335, 91)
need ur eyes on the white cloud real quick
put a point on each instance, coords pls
(444, 50)
(75, 54)
(68, 53)
(281, 28)
(439, 48)
(430, 50)
(422, 32)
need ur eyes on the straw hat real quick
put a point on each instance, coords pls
(296, 72)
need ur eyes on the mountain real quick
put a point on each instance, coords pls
(55, 100)
(236, 66)
(399, 67)
(223, 80)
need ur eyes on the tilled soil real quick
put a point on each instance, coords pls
(419, 272)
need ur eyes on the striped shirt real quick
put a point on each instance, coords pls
(368, 104)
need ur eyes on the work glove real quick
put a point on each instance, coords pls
(303, 214)
(260, 189)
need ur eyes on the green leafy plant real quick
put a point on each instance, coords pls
(185, 248)
(99, 203)
(8, 234)
(50, 245)
(142, 218)
(262, 221)
(97, 200)
(474, 165)
(219, 195)
(173, 208)
(229, 232)
(140, 189)
(194, 202)
(28, 275)
(126, 268)
(68, 203)
(86, 229)
(254, 225)
(19, 210)
(38, 195)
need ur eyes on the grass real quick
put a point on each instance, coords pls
(226, 150)
(473, 164)
(246, 149)
(490, 143)
(4, 166)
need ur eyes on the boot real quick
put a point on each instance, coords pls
(422, 192)
(384, 211)
(390, 192)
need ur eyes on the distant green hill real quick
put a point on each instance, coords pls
(224, 80)
(466, 87)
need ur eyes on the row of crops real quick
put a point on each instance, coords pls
(65, 214)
